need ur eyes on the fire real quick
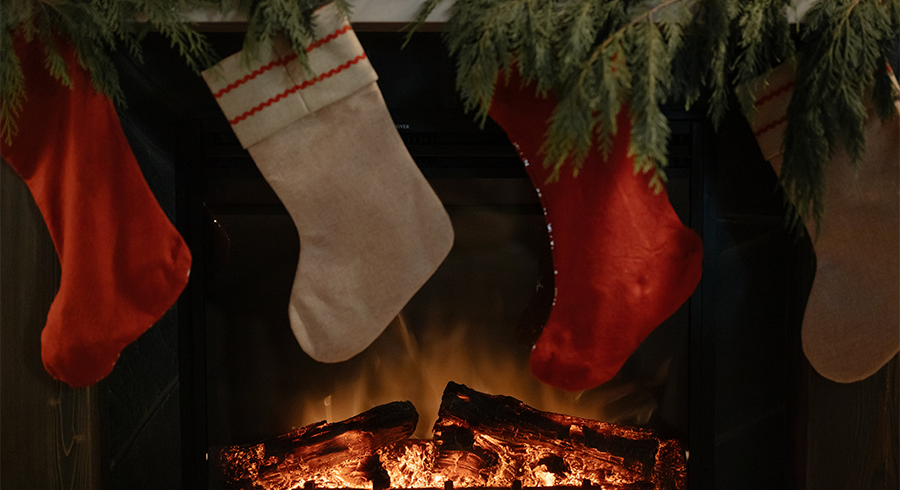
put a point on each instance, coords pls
(402, 366)
(464, 453)
(480, 441)
(410, 465)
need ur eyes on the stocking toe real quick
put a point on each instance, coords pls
(76, 363)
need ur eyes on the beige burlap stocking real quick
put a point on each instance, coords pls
(371, 229)
(851, 326)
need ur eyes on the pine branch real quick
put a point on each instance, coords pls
(719, 15)
(536, 45)
(425, 10)
(581, 23)
(595, 55)
(634, 22)
(764, 41)
(53, 61)
(294, 19)
(652, 37)
(615, 87)
(167, 18)
(586, 94)
(12, 87)
(578, 50)
(842, 60)
(95, 27)
(569, 135)
(20, 12)
(91, 46)
(650, 127)
(480, 36)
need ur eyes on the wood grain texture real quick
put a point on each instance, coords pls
(853, 435)
(49, 429)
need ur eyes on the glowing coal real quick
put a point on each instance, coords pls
(479, 441)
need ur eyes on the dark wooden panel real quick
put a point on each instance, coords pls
(140, 397)
(759, 273)
(50, 431)
(853, 432)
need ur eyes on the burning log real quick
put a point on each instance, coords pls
(488, 440)
(343, 450)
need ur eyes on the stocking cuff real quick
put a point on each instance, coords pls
(772, 92)
(263, 95)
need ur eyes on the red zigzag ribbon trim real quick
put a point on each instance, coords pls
(296, 88)
(772, 125)
(280, 62)
(775, 93)
(328, 38)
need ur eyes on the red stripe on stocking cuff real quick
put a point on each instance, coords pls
(280, 62)
(331, 37)
(259, 71)
(775, 93)
(772, 125)
(295, 88)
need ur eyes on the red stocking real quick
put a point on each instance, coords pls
(123, 263)
(623, 262)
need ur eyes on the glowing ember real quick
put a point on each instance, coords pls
(479, 441)
(410, 464)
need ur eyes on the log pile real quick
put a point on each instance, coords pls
(321, 452)
(480, 440)
(495, 440)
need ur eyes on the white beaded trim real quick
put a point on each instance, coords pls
(546, 218)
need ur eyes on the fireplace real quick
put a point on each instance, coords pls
(242, 378)
(473, 322)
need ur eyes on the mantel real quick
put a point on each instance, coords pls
(379, 15)
(367, 15)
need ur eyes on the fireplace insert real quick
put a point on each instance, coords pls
(719, 375)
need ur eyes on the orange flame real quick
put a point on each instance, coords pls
(400, 367)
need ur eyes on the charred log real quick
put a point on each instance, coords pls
(494, 431)
(480, 440)
(344, 449)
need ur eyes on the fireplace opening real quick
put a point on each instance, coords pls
(480, 441)
(472, 323)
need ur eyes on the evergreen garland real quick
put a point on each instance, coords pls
(96, 27)
(594, 55)
(293, 18)
(844, 60)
